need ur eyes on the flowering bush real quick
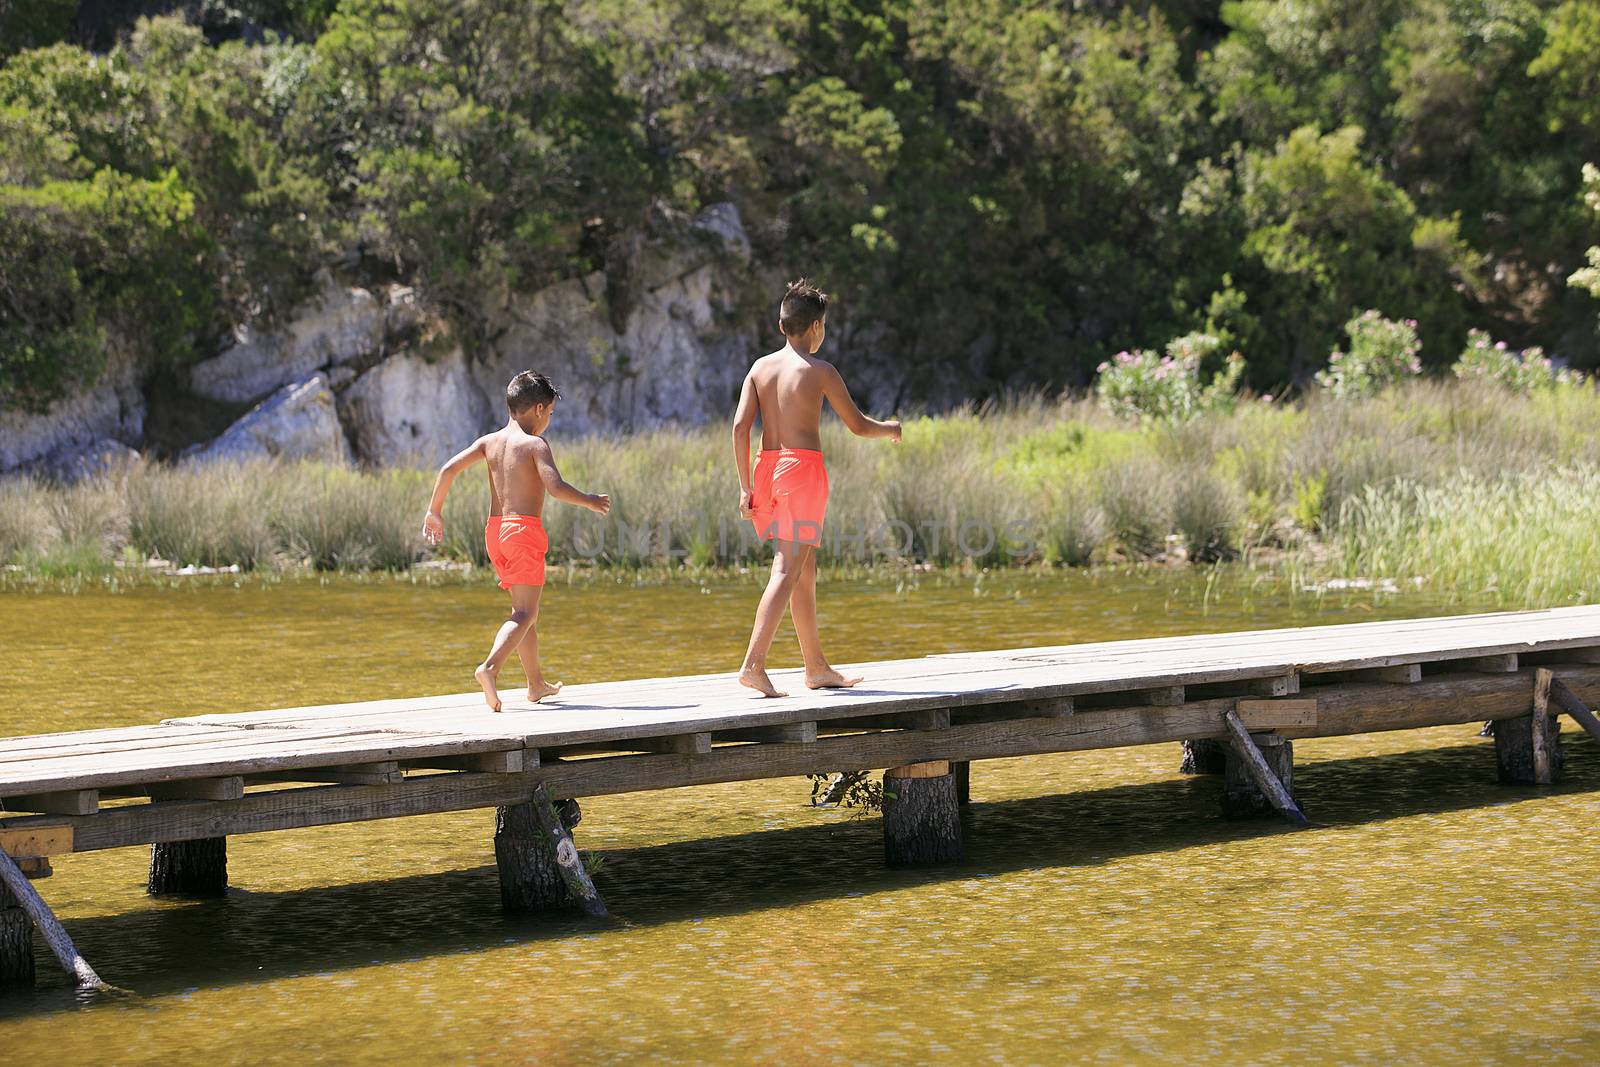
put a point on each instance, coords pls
(1382, 353)
(1521, 372)
(1142, 384)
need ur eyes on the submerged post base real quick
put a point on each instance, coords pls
(1205, 756)
(189, 868)
(16, 944)
(530, 880)
(1517, 752)
(1241, 796)
(921, 815)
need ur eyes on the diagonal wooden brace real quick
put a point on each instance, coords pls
(1256, 764)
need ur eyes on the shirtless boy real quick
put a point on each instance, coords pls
(786, 495)
(522, 470)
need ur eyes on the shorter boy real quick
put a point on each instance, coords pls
(522, 469)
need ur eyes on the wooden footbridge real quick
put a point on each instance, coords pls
(1236, 700)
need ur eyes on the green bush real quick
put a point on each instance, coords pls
(1382, 353)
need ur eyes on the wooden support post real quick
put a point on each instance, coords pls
(540, 868)
(1260, 773)
(1281, 686)
(1569, 703)
(1164, 696)
(1205, 756)
(921, 816)
(197, 868)
(1527, 749)
(50, 928)
(16, 943)
(697, 744)
(963, 772)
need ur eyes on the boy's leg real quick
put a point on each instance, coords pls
(803, 610)
(787, 563)
(528, 653)
(524, 607)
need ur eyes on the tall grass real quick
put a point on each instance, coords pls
(1413, 482)
(1532, 538)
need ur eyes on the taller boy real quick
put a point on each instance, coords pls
(786, 495)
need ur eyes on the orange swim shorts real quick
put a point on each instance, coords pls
(791, 494)
(516, 544)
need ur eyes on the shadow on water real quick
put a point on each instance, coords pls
(261, 936)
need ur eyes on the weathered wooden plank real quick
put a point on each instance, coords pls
(381, 772)
(1504, 663)
(230, 788)
(1277, 714)
(513, 761)
(62, 802)
(1400, 674)
(1279, 686)
(795, 732)
(29, 844)
(686, 744)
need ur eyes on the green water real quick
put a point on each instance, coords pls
(1105, 912)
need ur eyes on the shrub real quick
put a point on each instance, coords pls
(1383, 352)
(214, 515)
(1208, 512)
(1520, 372)
(1142, 384)
(24, 518)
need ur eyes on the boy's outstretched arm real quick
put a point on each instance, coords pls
(855, 421)
(557, 486)
(744, 420)
(433, 523)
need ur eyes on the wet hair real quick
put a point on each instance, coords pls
(528, 389)
(802, 305)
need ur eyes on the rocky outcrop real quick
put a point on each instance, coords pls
(344, 325)
(413, 412)
(678, 355)
(299, 421)
(60, 441)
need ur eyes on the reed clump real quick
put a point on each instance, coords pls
(1478, 491)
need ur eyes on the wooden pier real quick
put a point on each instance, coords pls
(1237, 701)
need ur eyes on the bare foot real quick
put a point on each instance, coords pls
(486, 677)
(537, 691)
(756, 678)
(829, 679)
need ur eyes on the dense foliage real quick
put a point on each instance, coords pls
(1002, 193)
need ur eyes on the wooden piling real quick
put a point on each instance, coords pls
(50, 928)
(1527, 749)
(540, 868)
(1204, 756)
(921, 815)
(16, 943)
(1260, 774)
(962, 769)
(197, 868)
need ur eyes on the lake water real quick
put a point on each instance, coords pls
(1105, 911)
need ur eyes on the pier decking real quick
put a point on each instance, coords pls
(204, 778)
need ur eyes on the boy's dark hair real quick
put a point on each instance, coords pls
(528, 389)
(802, 305)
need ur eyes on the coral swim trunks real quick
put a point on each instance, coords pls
(791, 494)
(516, 544)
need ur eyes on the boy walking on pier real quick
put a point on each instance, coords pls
(786, 494)
(522, 470)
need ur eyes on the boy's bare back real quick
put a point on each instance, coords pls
(789, 390)
(516, 482)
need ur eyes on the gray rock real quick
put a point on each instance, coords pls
(114, 410)
(299, 421)
(344, 325)
(407, 411)
(76, 462)
(679, 356)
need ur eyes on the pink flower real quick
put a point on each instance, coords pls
(1102, 368)
(1499, 346)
